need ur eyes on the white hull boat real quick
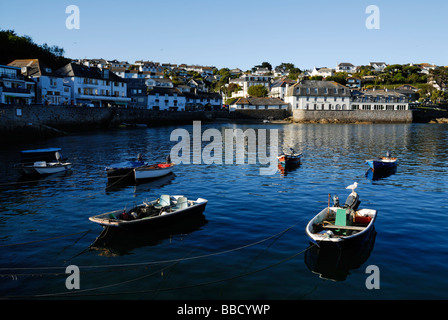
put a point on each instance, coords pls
(342, 223)
(161, 211)
(153, 171)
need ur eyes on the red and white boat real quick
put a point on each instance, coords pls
(152, 171)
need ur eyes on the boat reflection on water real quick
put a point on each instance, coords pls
(117, 242)
(334, 262)
(380, 174)
(285, 169)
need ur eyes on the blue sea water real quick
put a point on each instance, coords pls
(252, 244)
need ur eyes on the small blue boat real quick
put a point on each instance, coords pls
(123, 172)
(383, 163)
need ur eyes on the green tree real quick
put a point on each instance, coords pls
(258, 91)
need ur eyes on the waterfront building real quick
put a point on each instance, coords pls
(254, 103)
(318, 95)
(248, 80)
(91, 86)
(136, 91)
(166, 98)
(379, 100)
(329, 95)
(15, 88)
(51, 88)
(203, 101)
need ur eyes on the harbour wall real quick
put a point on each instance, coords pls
(18, 122)
(36, 121)
(353, 116)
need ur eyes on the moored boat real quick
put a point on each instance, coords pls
(154, 171)
(383, 163)
(161, 211)
(290, 158)
(342, 223)
(123, 172)
(40, 162)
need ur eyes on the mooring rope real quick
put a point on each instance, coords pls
(126, 265)
(205, 283)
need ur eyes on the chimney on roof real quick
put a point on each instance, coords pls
(25, 71)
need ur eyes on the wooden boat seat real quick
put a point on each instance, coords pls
(357, 228)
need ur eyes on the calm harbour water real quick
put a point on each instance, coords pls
(253, 243)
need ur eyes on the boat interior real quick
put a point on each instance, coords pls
(342, 221)
(166, 204)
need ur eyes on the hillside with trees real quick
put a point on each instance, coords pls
(22, 47)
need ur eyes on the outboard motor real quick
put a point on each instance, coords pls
(336, 200)
(352, 201)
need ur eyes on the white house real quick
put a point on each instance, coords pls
(378, 66)
(51, 88)
(345, 67)
(159, 82)
(14, 87)
(203, 100)
(248, 80)
(280, 87)
(93, 86)
(160, 98)
(318, 95)
(324, 72)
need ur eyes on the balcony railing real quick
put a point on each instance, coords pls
(16, 90)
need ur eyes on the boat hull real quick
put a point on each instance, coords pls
(36, 170)
(152, 172)
(382, 164)
(150, 222)
(322, 237)
(290, 160)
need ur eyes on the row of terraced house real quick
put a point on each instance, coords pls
(100, 83)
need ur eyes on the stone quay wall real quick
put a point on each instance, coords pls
(353, 116)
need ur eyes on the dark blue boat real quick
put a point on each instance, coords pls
(383, 163)
(123, 172)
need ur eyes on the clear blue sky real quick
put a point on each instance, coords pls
(238, 33)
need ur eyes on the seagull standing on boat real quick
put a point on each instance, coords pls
(353, 187)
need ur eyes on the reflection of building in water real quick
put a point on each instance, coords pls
(365, 140)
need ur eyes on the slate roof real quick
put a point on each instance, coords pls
(35, 67)
(81, 71)
(324, 88)
(163, 90)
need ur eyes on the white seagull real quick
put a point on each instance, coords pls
(352, 186)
